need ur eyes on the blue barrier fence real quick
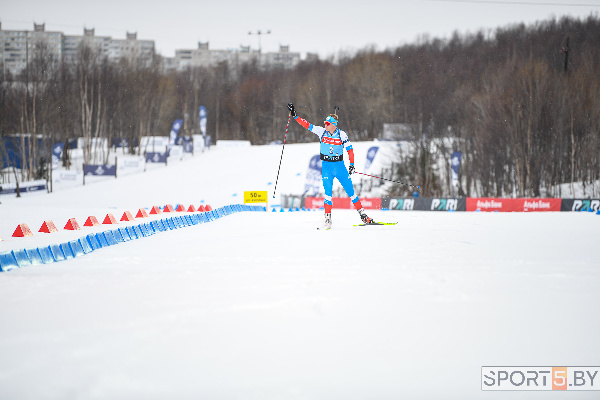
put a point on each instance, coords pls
(95, 241)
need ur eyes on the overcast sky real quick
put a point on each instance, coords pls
(323, 27)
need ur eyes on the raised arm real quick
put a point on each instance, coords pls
(317, 130)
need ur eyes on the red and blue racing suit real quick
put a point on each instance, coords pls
(332, 155)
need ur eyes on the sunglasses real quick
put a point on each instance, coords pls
(330, 120)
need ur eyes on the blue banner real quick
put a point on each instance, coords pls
(175, 131)
(202, 112)
(120, 142)
(313, 176)
(370, 156)
(154, 157)
(100, 170)
(188, 145)
(57, 154)
(456, 156)
(23, 187)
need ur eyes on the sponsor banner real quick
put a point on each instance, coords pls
(31, 186)
(445, 204)
(371, 153)
(456, 156)
(487, 204)
(537, 205)
(100, 170)
(57, 151)
(312, 184)
(580, 205)
(512, 205)
(65, 176)
(186, 143)
(154, 157)
(120, 142)
(343, 202)
(424, 204)
(370, 203)
(202, 115)
(397, 203)
(175, 131)
(130, 163)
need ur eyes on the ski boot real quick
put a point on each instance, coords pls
(364, 217)
(327, 224)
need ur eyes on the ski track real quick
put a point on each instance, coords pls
(263, 306)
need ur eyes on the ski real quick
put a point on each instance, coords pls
(377, 223)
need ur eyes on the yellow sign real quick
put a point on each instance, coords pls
(255, 197)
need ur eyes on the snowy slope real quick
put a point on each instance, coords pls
(264, 306)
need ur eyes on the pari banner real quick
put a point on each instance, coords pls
(456, 156)
(202, 112)
(313, 176)
(57, 154)
(371, 156)
(175, 131)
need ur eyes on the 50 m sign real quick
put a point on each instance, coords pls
(255, 197)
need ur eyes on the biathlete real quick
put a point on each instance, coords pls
(333, 141)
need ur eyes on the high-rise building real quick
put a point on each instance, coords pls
(133, 48)
(205, 57)
(71, 44)
(17, 48)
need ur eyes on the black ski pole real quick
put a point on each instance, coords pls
(402, 183)
(281, 158)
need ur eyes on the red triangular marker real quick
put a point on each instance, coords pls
(141, 213)
(22, 231)
(48, 227)
(191, 208)
(72, 225)
(110, 219)
(91, 221)
(127, 216)
(155, 210)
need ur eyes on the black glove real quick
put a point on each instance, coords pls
(292, 109)
(351, 169)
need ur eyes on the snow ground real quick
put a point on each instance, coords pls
(263, 306)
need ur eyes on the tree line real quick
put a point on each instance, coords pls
(522, 103)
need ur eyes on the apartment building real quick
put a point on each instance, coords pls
(205, 57)
(18, 47)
